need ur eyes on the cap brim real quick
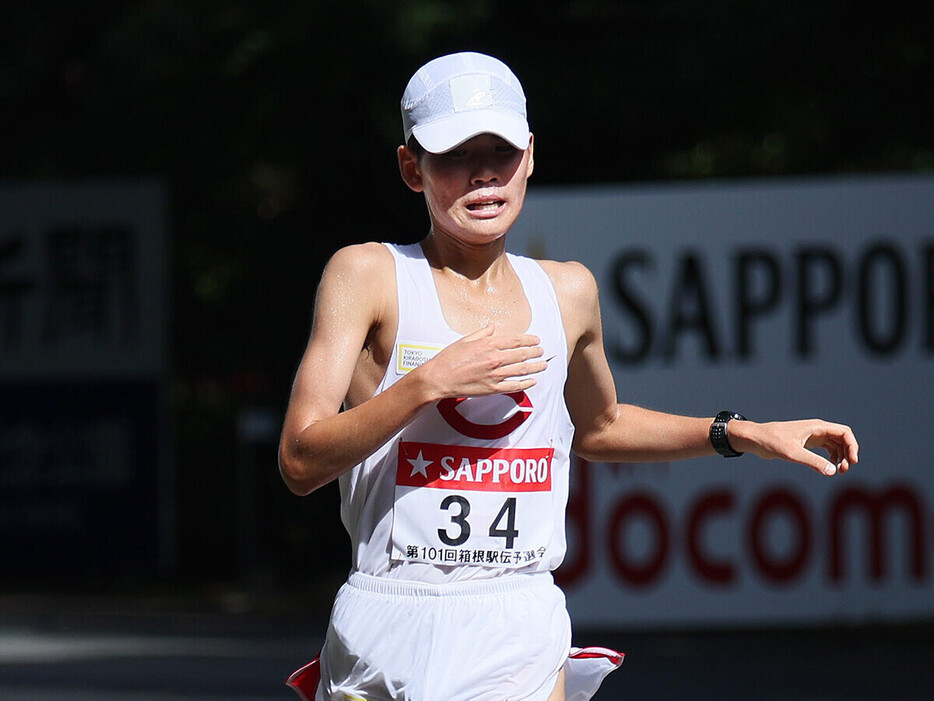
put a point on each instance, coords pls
(444, 134)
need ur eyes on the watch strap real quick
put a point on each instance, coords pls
(719, 438)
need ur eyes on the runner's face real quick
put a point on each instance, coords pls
(475, 191)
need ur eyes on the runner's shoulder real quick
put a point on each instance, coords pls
(361, 261)
(361, 276)
(573, 281)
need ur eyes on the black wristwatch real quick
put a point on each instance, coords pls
(718, 435)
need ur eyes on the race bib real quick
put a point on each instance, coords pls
(464, 505)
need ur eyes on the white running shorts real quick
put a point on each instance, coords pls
(504, 639)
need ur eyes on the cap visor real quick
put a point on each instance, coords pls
(444, 134)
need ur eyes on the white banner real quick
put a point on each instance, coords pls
(82, 280)
(777, 299)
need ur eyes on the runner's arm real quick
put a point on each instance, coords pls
(607, 431)
(318, 441)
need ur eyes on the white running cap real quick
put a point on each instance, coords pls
(456, 97)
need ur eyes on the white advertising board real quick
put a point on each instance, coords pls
(778, 299)
(82, 280)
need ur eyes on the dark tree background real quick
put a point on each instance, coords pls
(275, 126)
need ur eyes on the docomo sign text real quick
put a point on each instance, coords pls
(872, 516)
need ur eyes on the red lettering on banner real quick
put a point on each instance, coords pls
(710, 570)
(464, 467)
(874, 506)
(769, 565)
(865, 510)
(645, 573)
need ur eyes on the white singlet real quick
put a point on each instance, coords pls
(472, 487)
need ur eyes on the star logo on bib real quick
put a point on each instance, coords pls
(419, 465)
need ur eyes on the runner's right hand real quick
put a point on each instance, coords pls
(483, 363)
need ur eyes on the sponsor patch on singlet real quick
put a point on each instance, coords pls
(411, 354)
(467, 505)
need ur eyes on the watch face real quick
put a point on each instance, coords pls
(725, 416)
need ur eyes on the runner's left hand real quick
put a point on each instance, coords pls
(796, 441)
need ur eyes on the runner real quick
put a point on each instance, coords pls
(467, 375)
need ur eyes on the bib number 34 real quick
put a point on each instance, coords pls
(502, 526)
